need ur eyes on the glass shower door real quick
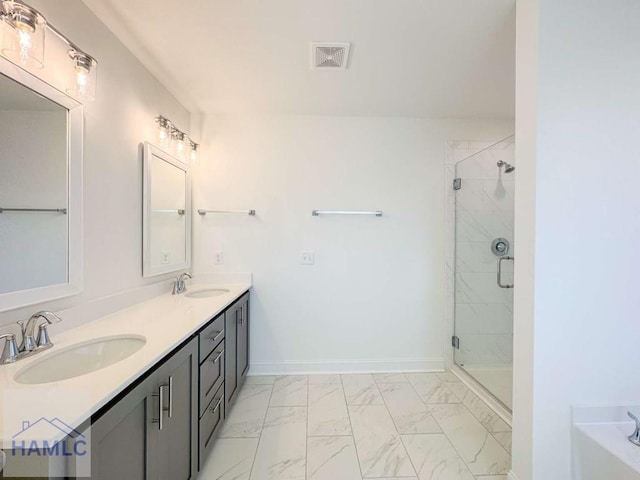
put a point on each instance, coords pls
(484, 259)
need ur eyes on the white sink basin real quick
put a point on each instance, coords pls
(80, 359)
(207, 292)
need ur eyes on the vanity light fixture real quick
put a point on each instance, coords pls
(23, 39)
(23, 34)
(176, 140)
(82, 75)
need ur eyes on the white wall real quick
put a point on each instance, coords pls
(375, 293)
(129, 97)
(586, 206)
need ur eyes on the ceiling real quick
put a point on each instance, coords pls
(415, 58)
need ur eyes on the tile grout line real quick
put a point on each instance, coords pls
(353, 436)
(255, 455)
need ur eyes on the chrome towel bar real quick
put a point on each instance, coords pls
(243, 212)
(179, 211)
(316, 213)
(54, 210)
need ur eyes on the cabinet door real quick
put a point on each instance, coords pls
(243, 340)
(230, 339)
(177, 441)
(123, 439)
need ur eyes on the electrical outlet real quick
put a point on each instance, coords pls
(219, 259)
(166, 258)
(307, 258)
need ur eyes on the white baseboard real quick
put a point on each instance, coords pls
(511, 475)
(348, 366)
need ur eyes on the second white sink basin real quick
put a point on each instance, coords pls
(207, 292)
(80, 359)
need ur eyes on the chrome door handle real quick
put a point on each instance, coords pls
(170, 406)
(160, 396)
(500, 284)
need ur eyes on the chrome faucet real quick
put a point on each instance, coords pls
(635, 436)
(178, 284)
(10, 351)
(29, 342)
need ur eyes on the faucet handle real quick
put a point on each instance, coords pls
(635, 436)
(43, 341)
(10, 351)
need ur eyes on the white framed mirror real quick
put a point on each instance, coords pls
(41, 132)
(166, 213)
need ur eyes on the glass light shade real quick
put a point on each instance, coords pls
(193, 155)
(179, 143)
(82, 76)
(22, 35)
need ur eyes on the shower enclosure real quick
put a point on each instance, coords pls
(484, 260)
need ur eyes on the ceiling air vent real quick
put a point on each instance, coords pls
(329, 56)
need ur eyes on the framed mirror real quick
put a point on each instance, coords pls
(40, 190)
(166, 214)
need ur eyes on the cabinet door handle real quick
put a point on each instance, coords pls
(160, 396)
(218, 335)
(215, 409)
(215, 360)
(241, 312)
(170, 406)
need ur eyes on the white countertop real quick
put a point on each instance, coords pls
(165, 322)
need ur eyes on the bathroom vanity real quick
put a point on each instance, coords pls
(154, 414)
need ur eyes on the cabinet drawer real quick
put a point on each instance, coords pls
(209, 422)
(211, 336)
(211, 376)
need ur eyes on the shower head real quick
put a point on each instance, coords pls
(508, 168)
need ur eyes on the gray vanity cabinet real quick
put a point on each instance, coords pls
(236, 346)
(151, 433)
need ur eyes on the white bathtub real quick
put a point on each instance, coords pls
(600, 448)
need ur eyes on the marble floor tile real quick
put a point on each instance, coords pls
(380, 449)
(448, 377)
(260, 380)
(481, 452)
(492, 477)
(504, 439)
(248, 412)
(290, 391)
(434, 458)
(487, 417)
(332, 458)
(328, 415)
(431, 389)
(324, 379)
(390, 378)
(361, 390)
(282, 450)
(408, 411)
(231, 459)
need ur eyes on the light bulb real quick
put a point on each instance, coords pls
(194, 155)
(25, 45)
(82, 80)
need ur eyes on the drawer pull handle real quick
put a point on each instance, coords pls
(217, 406)
(218, 335)
(215, 360)
(170, 406)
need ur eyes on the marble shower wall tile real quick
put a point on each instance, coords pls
(434, 458)
(328, 415)
(290, 391)
(409, 413)
(231, 459)
(332, 458)
(247, 415)
(283, 445)
(481, 452)
(379, 446)
(504, 439)
(361, 390)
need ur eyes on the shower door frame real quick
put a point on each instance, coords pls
(458, 150)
